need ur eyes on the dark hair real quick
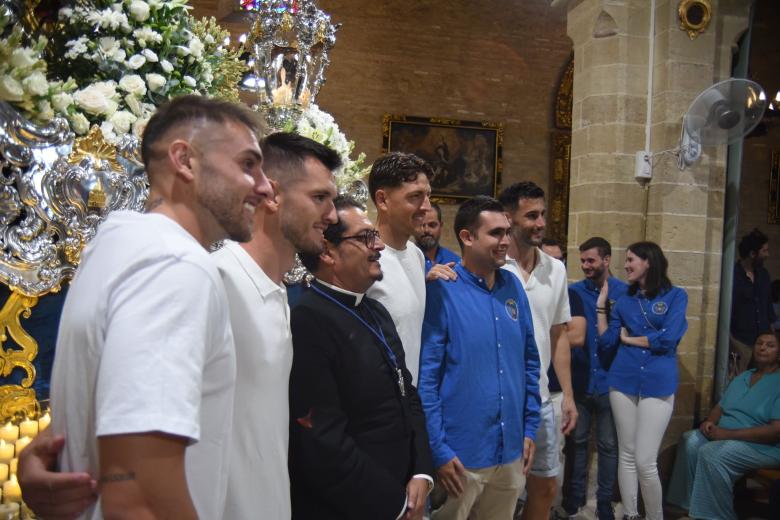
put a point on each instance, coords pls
(605, 249)
(189, 109)
(393, 169)
(468, 213)
(333, 232)
(551, 242)
(285, 152)
(656, 281)
(511, 195)
(752, 243)
(437, 208)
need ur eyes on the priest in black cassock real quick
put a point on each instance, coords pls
(358, 443)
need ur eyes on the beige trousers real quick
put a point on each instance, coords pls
(490, 494)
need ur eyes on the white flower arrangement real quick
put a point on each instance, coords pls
(122, 59)
(23, 81)
(320, 126)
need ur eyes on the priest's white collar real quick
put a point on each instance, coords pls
(358, 296)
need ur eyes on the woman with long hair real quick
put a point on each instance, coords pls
(645, 326)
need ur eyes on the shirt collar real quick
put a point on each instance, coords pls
(357, 296)
(478, 280)
(264, 285)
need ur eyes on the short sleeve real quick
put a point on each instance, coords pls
(157, 343)
(575, 304)
(562, 312)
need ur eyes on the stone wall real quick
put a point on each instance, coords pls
(682, 211)
(485, 61)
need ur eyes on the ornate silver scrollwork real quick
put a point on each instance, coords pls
(54, 191)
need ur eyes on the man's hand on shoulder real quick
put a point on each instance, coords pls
(442, 272)
(48, 493)
(453, 477)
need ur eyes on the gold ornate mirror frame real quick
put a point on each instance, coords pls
(695, 16)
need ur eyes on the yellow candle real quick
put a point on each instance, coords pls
(3, 472)
(22, 444)
(9, 432)
(44, 421)
(11, 491)
(14, 464)
(28, 428)
(6, 451)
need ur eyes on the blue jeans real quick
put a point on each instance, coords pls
(606, 443)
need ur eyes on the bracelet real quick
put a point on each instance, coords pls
(601, 308)
(601, 311)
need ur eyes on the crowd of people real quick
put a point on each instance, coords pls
(405, 378)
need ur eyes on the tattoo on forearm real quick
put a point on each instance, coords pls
(117, 477)
(151, 204)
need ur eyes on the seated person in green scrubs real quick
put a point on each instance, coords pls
(741, 433)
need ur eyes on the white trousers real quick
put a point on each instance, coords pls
(640, 423)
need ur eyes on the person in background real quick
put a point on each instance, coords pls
(589, 381)
(775, 288)
(741, 433)
(642, 333)
(479, 373)
(751, 300)
(427, 237)
(554, 248)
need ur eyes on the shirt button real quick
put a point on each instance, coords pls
(496, 318)
(641, 368)
(500, 371)
(502, 397)
(499, 345)
(502, 423)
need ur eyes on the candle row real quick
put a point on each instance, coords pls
(27, 428)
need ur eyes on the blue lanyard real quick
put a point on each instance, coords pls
(376, 332)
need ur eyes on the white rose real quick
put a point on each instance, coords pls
(196, 47)
(45, 112)
(94, 100)
(10, 89)
(108, 88)
(136, 61)
(189, 81)
(139, 10)
(108, 44)
(133, 104)
(79, 123)
(108, 132)
(133, 84)
(150, 56)
(122, 119)
(118, 55)
(36, 84)
(166, 66)
(23, 57)
(139, 126)
(61, 102)
(65, 13)
(155, 81)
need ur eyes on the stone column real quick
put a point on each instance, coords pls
(680, 210)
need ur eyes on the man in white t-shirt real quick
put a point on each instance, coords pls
(144, 375)
(544, 280)
(302, 173)
(398, 184)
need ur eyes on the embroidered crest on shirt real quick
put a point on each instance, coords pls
(511, 309)
(660, 308)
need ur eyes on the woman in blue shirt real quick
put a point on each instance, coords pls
(645, 326)
(741, 433)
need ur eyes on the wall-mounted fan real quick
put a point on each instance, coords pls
(722, 114)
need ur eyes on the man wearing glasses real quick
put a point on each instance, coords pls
(358, 444)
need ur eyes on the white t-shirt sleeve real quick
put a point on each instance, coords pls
(157, 343)
(562, 309)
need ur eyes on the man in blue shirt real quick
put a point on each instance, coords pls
(427, 237)
(751, 299)
(589, 382)
(479, 372)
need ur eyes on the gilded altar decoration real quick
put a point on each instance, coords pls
(560, 160)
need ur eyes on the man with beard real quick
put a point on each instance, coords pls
(544, 280)
(589, 382)
(479, 372)
(301, 171)
(751, 299)
(145, 369)
(358, 445)
(427, 237)
(399, 187)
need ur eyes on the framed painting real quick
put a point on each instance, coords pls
(465, 155)
(774, 190)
